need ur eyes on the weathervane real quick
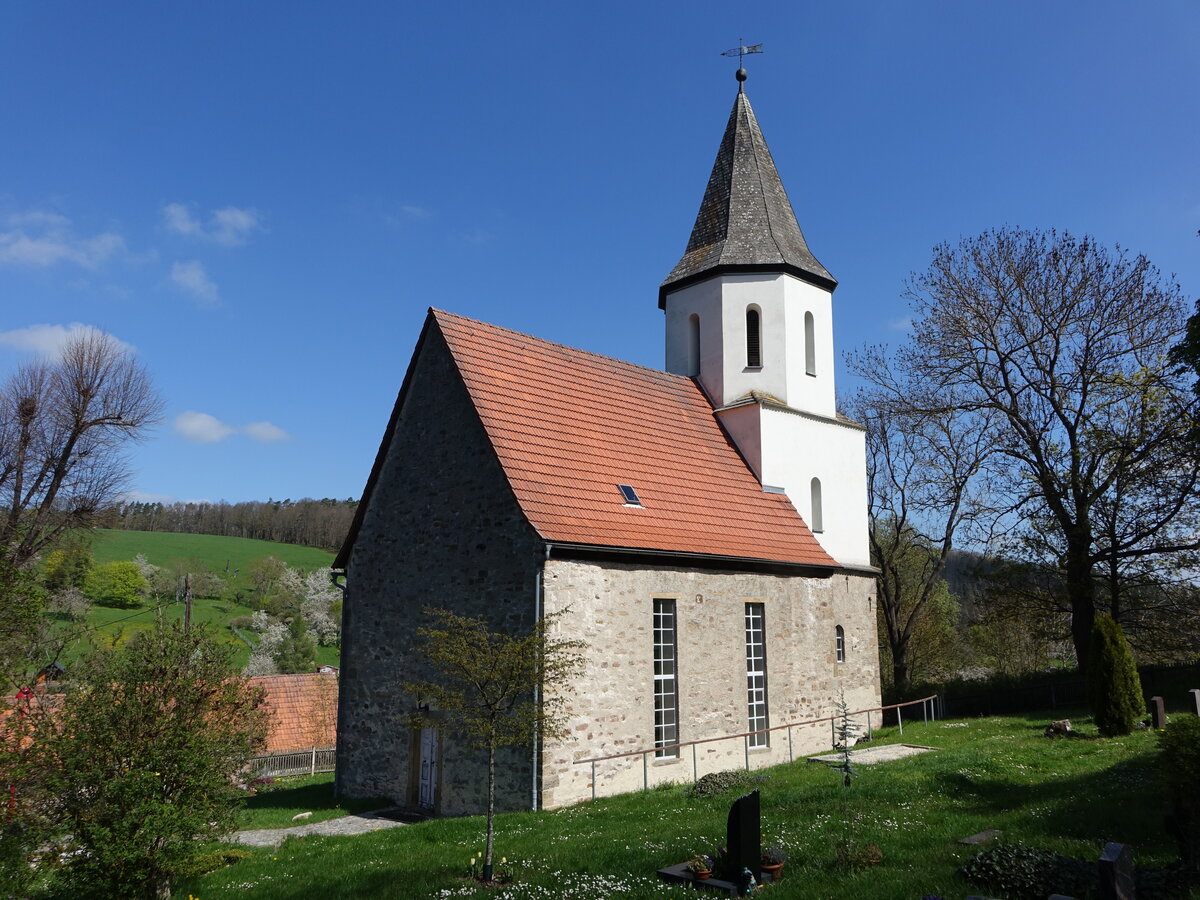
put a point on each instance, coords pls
(740, 51)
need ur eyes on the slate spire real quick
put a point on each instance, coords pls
(745, 223)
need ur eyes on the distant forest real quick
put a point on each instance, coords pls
(312, 523)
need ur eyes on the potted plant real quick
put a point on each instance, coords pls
(700, 866)
(772, 861)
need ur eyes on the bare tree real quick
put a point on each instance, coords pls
(927, 481)
(1063, 344)
(63, 425)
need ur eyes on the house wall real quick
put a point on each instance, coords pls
(612, 708)
(442, 529)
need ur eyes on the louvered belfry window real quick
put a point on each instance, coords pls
(753, 338)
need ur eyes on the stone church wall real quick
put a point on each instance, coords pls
(612, 709)
(442, 529)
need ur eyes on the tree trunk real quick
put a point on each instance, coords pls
(901, 677)
(1081, 592)
(491, 814)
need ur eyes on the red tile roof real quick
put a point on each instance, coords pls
(303, 711)
(568, 426)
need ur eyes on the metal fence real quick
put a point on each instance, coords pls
(301, 762)
(875, 717)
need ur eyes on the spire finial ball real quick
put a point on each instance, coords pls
(741, 75)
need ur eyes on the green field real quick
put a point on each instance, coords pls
(221, 555)
(1070, 795)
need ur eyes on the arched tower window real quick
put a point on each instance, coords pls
(818, 519)
(753, 338)
(839, 639)
(810, 344)
(693, 344)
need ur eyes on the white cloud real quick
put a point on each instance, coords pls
(414, 211)
(179, 220)
(228, 226)
(42, 239)
(201, 428)
(265, 432)
(47, 340)
(191, 277)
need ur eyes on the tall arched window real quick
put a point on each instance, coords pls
(753, 338)
(840, 643)
(693, 344)
(818, 519)
(810, 344)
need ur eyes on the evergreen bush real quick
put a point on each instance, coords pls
(1180, 768)
(1113, 687)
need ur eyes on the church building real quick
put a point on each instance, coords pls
(703, 529)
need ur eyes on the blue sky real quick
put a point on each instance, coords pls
(264, 198)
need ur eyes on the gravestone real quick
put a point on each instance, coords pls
(743, 835)
(1116, 872)
(1158, 713)
(1195, 692)
(743, 852)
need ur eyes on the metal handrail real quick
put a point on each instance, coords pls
(928, 709)
(744, 734)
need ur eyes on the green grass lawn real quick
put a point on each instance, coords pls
(1070, 795)
(220, 554)
(275, 806)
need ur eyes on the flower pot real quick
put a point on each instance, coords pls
(702, 876)
(773, 870)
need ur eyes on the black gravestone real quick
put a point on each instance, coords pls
(743, 836)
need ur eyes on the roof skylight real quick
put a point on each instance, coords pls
(630, 495)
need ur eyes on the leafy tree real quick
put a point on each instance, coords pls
(265, 573)
(927, 483)
(1061, 343)
(68, 566)
(140, 764)
(62, 427)
(1114, 688)
(297, 650)
(118, 584)
(497, 689)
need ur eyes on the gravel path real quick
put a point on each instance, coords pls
(357, 824)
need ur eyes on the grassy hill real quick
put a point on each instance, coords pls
(220, 554)
(223, 555)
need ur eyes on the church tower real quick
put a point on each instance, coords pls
(749, 313)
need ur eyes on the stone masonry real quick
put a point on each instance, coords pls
(610, 607)
(443, 529)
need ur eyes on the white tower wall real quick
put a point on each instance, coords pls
(785, 447)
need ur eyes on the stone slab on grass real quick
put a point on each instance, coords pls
(869, 755)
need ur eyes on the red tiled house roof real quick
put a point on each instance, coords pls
(302, 708)
(568, 426)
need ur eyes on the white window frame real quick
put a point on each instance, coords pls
(756, 675)
(839, 643)
(666, 678)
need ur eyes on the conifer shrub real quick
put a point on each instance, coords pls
(1114, 689)
(1180, 769)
